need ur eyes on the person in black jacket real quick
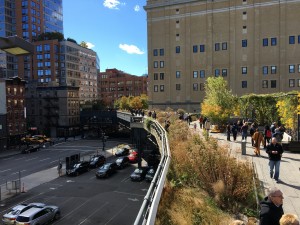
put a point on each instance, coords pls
(271, 208)
(274, 150)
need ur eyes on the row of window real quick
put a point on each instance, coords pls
(196, 87)
(223, 45)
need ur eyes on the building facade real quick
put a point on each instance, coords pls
(27, 19)
(79, 67)
(54, 110)
(12, 109)
(114, 84)
(254, 45)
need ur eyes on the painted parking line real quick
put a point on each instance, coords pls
(106, 203)
(31, 159)
(44, 159)
(2, 171)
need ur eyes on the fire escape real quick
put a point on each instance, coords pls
(51, 111)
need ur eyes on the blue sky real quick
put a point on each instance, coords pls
(115, 29)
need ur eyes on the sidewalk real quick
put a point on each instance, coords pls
(289, 169)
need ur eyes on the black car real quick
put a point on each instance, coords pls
(31, 148)
(138, 174)
(97, 161)
(122, 152)
(150, 174)
(78, 168)
(122, 162)
(106, 170)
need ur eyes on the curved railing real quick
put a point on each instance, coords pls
(148, 210)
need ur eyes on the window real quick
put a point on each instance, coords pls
(217, 72)
(161, 52)
(264, 84)
(40, 64)
(47, 56)
(162, 76)
(202, 48)
(202, 73)
(48, 64)
(273, 69)
(224, 72)
(298, 68)
(155, 76)
(177, 49)
(162, 88)
(202, 86)
(273, 41)
(177, 87)
(273, 83)
(195, 74)
(46, 47)
(40, 72)
(155, 64)
(155, 52)
(298, 39)
(298, 83)
(291, 68)
(162, 64)
(177, 74)
(244, 70)
(265, 70)
(39, 48)
(217, 46)
(244, 43)
(244, 84)
(195, 87)
(224, 46)
(291, 40)
(195, 48)
(155, 88)
(291, 82)
(265, 42)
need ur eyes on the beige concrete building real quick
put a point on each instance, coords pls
(253, 44)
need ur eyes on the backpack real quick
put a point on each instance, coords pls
(268, 134)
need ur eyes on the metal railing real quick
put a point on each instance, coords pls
(148, 210)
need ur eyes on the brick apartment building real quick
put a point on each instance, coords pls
(114, 84)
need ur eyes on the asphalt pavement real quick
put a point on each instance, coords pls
(289, 169)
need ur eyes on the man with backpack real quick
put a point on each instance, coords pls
(234, 131)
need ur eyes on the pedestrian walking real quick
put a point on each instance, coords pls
(234, 130)
(251, 132)
(207, 127)
(59, 169)
(271, 208)
(275, 151)
(201, 122)
(244, 131)
(228, 130)
(258, 140)
(268, 135)
(289, 219)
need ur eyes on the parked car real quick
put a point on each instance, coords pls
(97, 160)
(138, 174)
(10, 217)
(122, 162)
(133, 157)
(150, 174)
(78, 168)
(38, 215)
(122, 152)
(106, 170)
(31, 148)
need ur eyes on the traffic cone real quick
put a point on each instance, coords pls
(23, 189)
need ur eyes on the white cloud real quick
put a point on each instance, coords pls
(137, 8)
(90, 45)
(111, 4)
(131, 49)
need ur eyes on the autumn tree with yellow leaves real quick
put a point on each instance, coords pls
(219, 103)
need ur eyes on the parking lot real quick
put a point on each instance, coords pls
(84, 199)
